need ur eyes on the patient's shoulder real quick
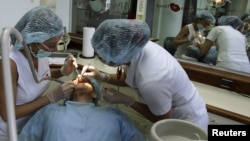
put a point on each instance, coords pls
(50, 107)
(110, 108)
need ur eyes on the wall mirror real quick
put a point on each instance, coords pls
(163, 25)
(81, 14)
(166, 23)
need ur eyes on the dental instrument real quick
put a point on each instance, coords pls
(76, 66)
(8, 87)
(84, 69)
(77, 72)
(56, 80)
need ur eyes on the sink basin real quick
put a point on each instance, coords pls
(58, 58)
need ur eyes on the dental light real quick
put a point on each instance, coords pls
(218, 3)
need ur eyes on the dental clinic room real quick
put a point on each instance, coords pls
(124, 70)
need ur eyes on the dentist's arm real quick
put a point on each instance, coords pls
(204, 48)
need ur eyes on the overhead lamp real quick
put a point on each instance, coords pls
(218, 3)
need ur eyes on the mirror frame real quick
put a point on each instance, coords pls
(222, 78)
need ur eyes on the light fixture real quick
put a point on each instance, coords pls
(218, 3)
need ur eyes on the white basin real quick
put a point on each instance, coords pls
(176, 130)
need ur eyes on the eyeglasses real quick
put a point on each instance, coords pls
(50, 46)
(47, 48)
(206, 23)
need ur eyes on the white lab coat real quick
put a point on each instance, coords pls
(28, 89)
(162, 82)
(231, 46)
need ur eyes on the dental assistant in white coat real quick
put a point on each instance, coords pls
(149, 69)
(41, 29)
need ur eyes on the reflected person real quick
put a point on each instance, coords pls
(246, 32)
(80, 119)
(195, 32)
(230, 43)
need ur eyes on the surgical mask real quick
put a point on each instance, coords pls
(41, 53)
(208, 28)
(200, 26)
(246, 29)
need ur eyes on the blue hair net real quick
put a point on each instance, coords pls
(97, 90)
(244, 16)
(38, 25)
(233, 21)
(119, 40)
(204, 14)
(247, 19)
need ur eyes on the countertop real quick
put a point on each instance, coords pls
(219, 101)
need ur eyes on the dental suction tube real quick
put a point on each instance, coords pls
(8, 88)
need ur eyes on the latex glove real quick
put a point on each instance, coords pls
(190, 39)
(197, 44)
(69, 65)
(117, 97)
(62, 91)
(92, 72)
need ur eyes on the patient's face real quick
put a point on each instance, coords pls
(83, 86)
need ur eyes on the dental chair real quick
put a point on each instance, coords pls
(167, 45)
(172, 49)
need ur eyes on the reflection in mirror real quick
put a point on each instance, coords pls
(90, 13)
(218, 77)
(218, 8)
(165, 17)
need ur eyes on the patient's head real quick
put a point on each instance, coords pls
(86, 90)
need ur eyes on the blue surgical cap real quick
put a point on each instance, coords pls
(244, 16)
(204, 14)
(233, 21)
(97, 90)
(38, 25)
(247, 19)
(119, 40)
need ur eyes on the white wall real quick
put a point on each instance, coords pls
(238, 7)
(12, 10)
(167, 23)
(63, 9)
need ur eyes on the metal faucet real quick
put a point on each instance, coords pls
(65, 38)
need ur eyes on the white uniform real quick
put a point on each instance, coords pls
(162, 82)
(28, 89)
(182, 49)
(231, 46)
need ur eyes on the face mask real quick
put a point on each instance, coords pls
(40, 53)
(208, 28)
(200, 27)
(245, 29)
